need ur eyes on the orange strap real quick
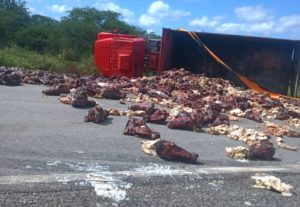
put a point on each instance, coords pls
(250, 84)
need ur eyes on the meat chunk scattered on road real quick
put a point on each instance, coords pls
(96, 114)
(80, 99)
(261, 151)
(137, 127)
(272, 183)
(280, 130)
(147, 107)
(56, 90)
(159, 116)
(169, 151)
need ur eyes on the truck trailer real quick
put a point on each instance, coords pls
(271, 63)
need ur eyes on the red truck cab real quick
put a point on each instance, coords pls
(119, 54)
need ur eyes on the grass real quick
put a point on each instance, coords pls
(298, 91)
(20, 57)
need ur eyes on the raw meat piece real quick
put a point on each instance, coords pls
(112, 93)
(268, 104)
(237, 112)
(294, 114)
(222, 119)
(233, 118)
(261, 151)
(236, 133)
(148, 147)
(282, 113)
(159, 116)
(280, 130)
(238, 152)
(147, 107)
(11, 78)
(183, 120)
(175, 110)
(57, 90)
(294, 122)
(134, 113)
(243, 104)
(157, 93)
(170, 151)
(253, 137)
(248, 136)
(253, 115)
(80, 99)
(96, 115)
(272, 183)
(65, 99)
(114, 112)
(200, 117)
(219, 130)
(137, 127)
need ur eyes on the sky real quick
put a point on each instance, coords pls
(268, 18)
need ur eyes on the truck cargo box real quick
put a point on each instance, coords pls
(271, 63)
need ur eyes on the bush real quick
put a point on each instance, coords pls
(20, 57)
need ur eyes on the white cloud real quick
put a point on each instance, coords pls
(158, 8)
(158, 12)
(58, 8)
(288, 22)
(247, 28)
(229, 27)
(107, 5)
(205, 22)
(146, 20)
(253, 13)
(261, 27)
(176, 14)
(255, 20)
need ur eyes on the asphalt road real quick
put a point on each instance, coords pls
(50, 157)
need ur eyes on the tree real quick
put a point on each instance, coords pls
(15, 6)
(14, 16)
(36, 36)
(78, 30)
(73, 36)
(102, 20)
(37, 19)
(76, 39)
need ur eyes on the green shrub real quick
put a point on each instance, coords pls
(20, 57)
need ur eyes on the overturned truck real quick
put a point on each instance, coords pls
(273, 64)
